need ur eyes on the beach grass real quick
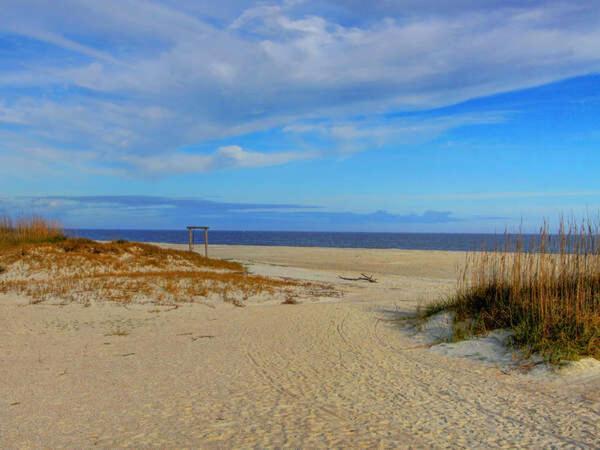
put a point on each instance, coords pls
(547, 293)
(43, 264)
(29, 230)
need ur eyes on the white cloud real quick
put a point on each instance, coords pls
(163, 75)
(486, 196)
(367, 134)
(228, 157)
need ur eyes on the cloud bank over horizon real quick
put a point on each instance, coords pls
(124, 212)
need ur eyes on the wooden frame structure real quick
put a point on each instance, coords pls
(191, 238)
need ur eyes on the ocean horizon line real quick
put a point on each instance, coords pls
(326, 239)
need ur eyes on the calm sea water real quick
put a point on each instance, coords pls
(409, 241)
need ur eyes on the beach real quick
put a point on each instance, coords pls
(331, 371)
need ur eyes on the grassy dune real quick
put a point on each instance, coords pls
(548, 294)
(39, 262)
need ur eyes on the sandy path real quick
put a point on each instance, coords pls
(410, 263)
(309, 375)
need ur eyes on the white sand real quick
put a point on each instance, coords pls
(327, 374)
(494, 348)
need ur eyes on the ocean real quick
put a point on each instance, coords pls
(408, 241)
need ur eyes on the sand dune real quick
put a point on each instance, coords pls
(317, 374)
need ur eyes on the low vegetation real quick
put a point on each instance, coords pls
(39, 262)
(546, 292)
(29, 231)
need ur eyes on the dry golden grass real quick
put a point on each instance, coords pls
(157, 286)
(29, 230)
(95, 257)
(80, 270)
(548, 294)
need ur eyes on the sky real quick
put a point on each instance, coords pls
(407, 115)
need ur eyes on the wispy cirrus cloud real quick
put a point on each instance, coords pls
(136, 81)
(228, 157)
(355, 135)
(474, 196)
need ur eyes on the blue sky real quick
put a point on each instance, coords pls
(330, 115)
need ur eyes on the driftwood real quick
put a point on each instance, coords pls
(362, 277)
(205, 336)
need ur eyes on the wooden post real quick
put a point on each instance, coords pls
(191, 238)
(206, 242)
